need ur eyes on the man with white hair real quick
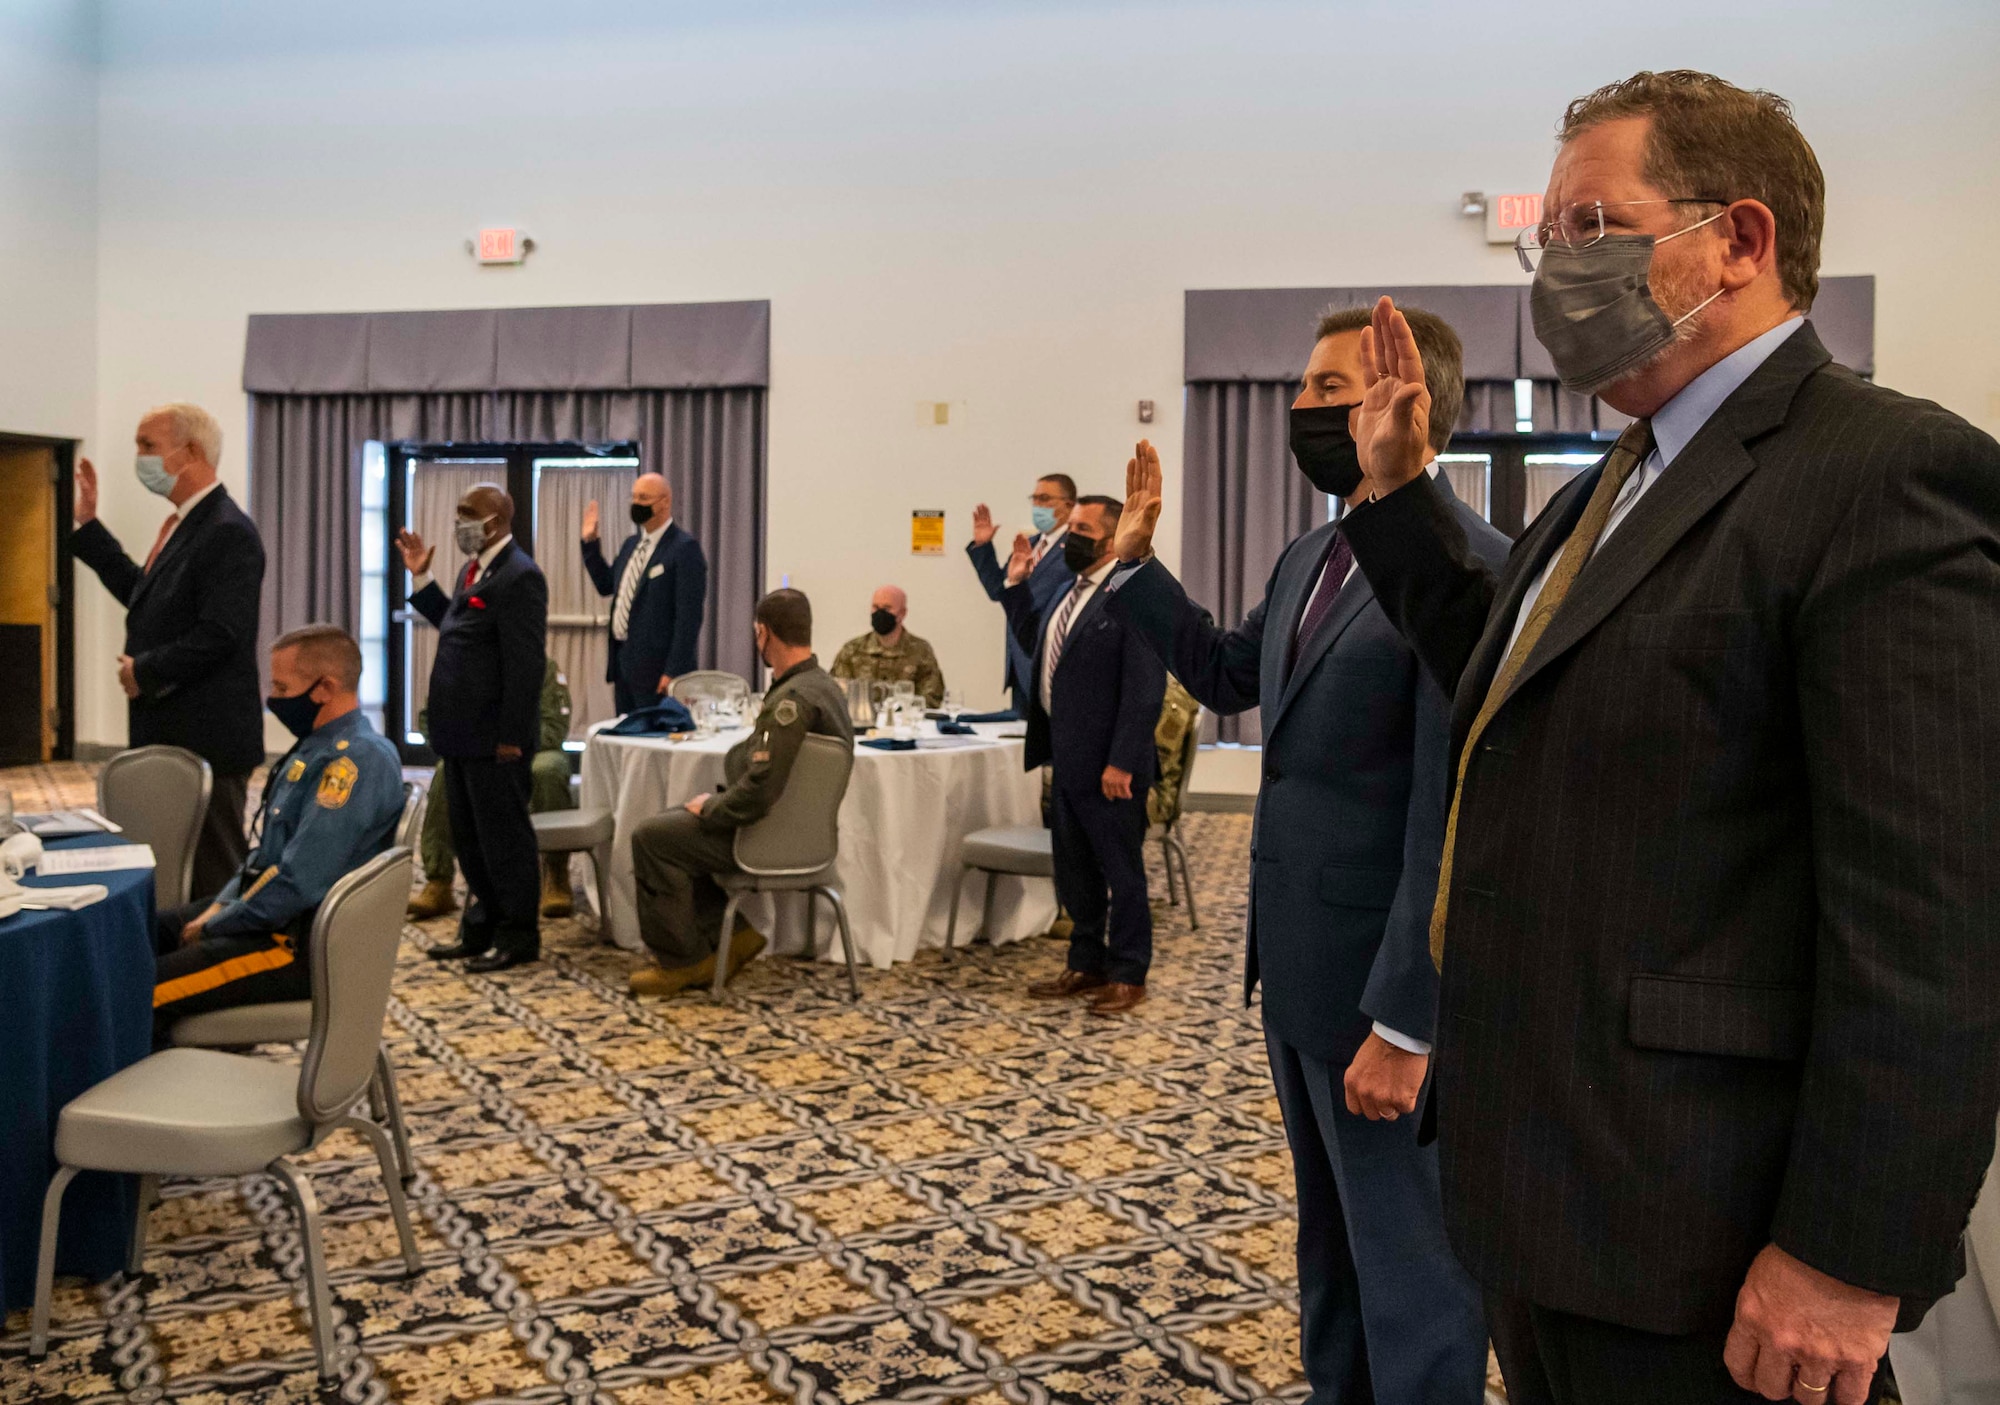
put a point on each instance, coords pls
(189, 667)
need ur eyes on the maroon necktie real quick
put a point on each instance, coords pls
(471, 570)
(1339, 561)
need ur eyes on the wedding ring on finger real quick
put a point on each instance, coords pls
(1815, 1389)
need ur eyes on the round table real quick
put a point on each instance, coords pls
(901, 823)
(76, 1005)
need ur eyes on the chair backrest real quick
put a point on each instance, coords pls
(159, 796)
(353, 956)
(801, 833)
(416, 795)
(708, 683)
(1190, 748)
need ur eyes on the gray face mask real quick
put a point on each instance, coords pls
(471, 536)
(1594, 312)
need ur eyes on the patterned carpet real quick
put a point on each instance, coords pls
(946, 1193)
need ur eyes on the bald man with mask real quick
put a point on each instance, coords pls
(658, 584)
(485, 717)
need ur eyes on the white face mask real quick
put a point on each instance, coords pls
(470, 536)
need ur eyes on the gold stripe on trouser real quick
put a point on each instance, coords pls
(1630, 451)
(222, 973)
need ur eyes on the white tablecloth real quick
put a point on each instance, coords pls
(900, 828)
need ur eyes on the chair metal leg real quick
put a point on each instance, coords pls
(986, 908)
(600, 875)
(1167, 860)
(722, 947)
(319, 1300)
(45, 1264)
(391, 1115)
(951, 922)
(846, 938)
(149, 1196)
(399, 1206)
(1179, 852)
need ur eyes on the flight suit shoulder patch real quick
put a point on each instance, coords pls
(336, 783)
(297, 770)
(786, 713)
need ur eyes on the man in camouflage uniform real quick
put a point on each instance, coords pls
(888, 653)
(675, 855)
(1177, 714)
(549, 790)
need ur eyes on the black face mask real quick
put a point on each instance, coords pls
(882, 622)
(1325, 450)
(1080, 553)
(296, 712)
(642, 513)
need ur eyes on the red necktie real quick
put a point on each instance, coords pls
(471, 572)
(166, 530)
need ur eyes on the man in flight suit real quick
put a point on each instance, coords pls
(330, 806)
(674, 856)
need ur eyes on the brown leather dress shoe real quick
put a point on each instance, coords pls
(1067, 984)
(1116, 998)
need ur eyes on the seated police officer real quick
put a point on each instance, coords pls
(675, 856)
(329, 806)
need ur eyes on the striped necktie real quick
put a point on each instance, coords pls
(1630, 451)
(635, 571)
(1059, 634)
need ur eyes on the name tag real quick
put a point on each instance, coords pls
(654, 572)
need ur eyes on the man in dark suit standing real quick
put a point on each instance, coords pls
(1094, 701)
(1716, 1068)
(190, 663)
(1049, 506)
(1344, 863)
(658, 583)
(485, 716)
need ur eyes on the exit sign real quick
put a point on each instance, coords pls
(1508, 215)
(500, 246)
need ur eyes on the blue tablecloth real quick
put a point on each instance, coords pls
(76, 1005)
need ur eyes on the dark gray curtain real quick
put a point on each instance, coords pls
(305, 485)
(686, 381)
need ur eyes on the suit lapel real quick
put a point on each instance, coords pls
(1704, 473)
(184, 532)
(1301, 568)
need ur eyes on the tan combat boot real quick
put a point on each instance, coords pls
(557, 900)
(434, 901)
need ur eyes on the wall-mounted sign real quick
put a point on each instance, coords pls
(494, 246)
(1508, 215)
(927, 531)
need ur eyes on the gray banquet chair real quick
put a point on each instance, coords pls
(159, 796)
(1023, 850)
(583, 829)
(416, 795)
(199, 1112)
(793, 849)
(708, 683)
(1172, 851)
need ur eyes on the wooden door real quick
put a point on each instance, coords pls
(28, 633)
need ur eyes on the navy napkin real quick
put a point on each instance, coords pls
(664, 716)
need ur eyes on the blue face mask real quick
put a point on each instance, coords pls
(153, 475)
(1044, 519)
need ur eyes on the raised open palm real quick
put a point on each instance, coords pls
(1394, 425)
(1143, 480)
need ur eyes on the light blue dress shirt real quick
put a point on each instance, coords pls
(1674, 424)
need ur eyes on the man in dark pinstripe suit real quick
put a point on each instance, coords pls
(1716, 1066)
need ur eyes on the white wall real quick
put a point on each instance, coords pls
(994, 204)
(48, 217)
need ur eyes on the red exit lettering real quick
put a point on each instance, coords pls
(1520, 211)
(496, 246)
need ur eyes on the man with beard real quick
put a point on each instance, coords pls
(1717, 1068)
(1344, 863)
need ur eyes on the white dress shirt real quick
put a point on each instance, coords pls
(485, 559)
(1091, 582)
(1674, 424)
(180, 513)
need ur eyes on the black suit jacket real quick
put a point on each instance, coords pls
(1107, 691)
(191, 629)
(1050, 578)
(666, 610)
(1722, 954)
(486, 681)
(1350, 817)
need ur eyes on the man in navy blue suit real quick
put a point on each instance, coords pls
(658, 583)
(1344, 869)
(485, 717)
(1049, 506)
(1093, 702)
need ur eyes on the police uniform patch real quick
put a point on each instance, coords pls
(336, 783)
(786, 713)
(340, 745)
(296, 771)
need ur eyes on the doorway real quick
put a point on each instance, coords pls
(419, 488)
(37, 617)
(1509, 478)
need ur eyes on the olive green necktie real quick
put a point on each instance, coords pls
(1629, 452)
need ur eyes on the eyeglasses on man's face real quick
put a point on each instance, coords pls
(1580, 225)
